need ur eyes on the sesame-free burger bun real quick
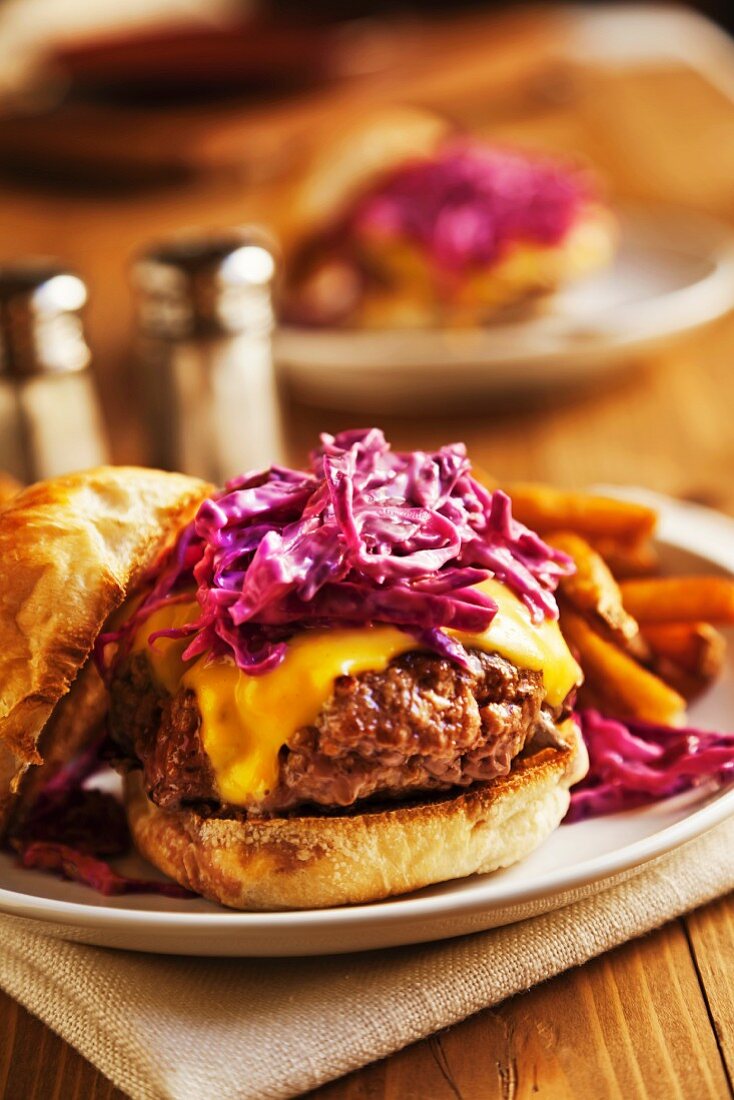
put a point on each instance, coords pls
(357, 156)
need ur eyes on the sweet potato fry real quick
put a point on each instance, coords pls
(690, 687)
(696, 648)
(680, 599)
(592, 589)
(627, 689)
(688, 656)
(545, 509)
(628, 559)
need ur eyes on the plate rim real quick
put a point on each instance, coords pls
(693, 528)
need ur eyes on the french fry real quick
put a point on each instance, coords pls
(592, 589)
(690, 687)
(628, 559)
(698, 649)
(680, 599)
(688, 656)
(545, 509)
(650, 641)
(627, 689)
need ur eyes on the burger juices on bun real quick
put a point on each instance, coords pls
(332, 686)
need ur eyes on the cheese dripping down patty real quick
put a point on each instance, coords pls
(246, 720)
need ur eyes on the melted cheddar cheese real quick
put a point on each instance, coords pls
(245, 720)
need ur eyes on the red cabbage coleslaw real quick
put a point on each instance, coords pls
(634, 763)
(466, 206)
(366, 535)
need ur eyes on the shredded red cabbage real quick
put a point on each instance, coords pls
(89, 871)
(73, 830)
(471, 201)
(66, 811)
(366, 535)
(634, 763)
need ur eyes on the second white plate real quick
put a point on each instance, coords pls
(673, 272)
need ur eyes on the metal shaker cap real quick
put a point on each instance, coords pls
(41, 330)
(206, 283)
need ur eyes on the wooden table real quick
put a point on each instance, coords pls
(655, 1018)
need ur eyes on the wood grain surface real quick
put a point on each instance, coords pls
(654, 1018)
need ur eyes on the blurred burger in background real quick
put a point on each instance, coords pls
(405, 221)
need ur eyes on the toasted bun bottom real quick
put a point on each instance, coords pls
(313, 862)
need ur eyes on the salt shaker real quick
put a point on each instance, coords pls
(50, 422)
(206, 317)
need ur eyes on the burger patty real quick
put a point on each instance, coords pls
(422, 724)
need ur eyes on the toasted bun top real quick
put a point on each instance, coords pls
(71, 549)
(358, 156)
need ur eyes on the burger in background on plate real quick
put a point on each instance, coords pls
(334, 685)
(405, 221)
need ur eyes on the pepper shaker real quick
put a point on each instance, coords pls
(49, 417)
(205, 315)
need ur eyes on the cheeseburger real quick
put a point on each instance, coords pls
(404, 221)
(324, 686)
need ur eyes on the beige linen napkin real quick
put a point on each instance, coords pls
(166, 1028)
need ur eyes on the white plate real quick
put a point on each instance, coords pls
(674, 271)
(577, 860)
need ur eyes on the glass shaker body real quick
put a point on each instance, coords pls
(205, 356)
(49, 418)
